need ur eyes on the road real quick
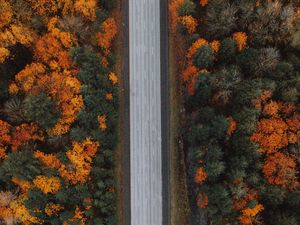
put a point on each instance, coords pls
(145, 112)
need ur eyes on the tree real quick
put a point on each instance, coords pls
(47, 184)
(48, 98)
(173, 11)
(24, 134)
(227, 51)
(107, 34)
(5, 137)
(87, 8)
(203, 58)
(13, 166)
(4, 53)
(6, 13)
(266, 61)
(188, 8)
(276, 23)
(220, 202)
(13, 110)
(200, 42)
(220, 18)
(189, 23)
(203, 2)
(240, 39)
(280, 169)
(40, 109)
(224, 83)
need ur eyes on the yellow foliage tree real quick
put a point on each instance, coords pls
(113, 78)
(47, 184)
(80, 157)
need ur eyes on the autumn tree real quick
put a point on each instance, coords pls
(240, 39)
(280, 169)
(5, 138)
(239, 76)
(50, 132)
(107, 34)
(189, 23)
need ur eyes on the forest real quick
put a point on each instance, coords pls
(239, 78)
(59, 112)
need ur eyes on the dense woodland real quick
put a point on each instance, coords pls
(239, 63)
(59, 112)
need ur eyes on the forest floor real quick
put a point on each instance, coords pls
(119, 49)
(180, 209)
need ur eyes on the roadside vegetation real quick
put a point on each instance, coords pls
(59, 112)
(240, 79)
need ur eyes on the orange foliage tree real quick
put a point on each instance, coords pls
(195, 46)
(14, 137)
(240, 203)
(12, 31)
(23, 134)
(6, 13)
(249, 214)
(240, 39)
(102, 122)
(215, 46)
(189, 22)
(277, 131)
(200, 175)
(4, 137)
(232, 126)
(4, 53)
(281, 169)
(202, 200)
(203, 2)
(173, 8)
(85, 8)
(54, 76)
(107, 34)
(279, 128)
(80, 157)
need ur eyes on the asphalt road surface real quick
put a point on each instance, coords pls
(145, 112)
